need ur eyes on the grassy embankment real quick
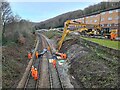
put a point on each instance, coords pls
(106, 43)
(103, 42)
(52, 34)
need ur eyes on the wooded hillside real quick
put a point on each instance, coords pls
(58, 21)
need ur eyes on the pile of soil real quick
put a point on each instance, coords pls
(14, 62)
(91, 67)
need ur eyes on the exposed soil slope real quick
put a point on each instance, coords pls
(91, 67)
(14, 62)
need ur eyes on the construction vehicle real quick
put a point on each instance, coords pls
(85, 29)
(80, 27)
(61, 55)
(106, 32)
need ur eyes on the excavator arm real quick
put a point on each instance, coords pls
(81, 28)
(62, 39)
(66, 31)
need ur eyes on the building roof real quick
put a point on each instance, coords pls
(98, 12)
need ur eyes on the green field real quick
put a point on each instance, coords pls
(107, 43)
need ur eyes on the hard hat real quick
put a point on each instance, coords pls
(32, 66)
(35, 68)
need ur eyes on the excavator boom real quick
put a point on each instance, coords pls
(76, 24)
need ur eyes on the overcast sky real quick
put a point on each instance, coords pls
(40, 11)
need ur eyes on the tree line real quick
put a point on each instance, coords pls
(58, 21)
(12, 26)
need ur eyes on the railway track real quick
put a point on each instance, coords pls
(55, 80)
(48, 75)
(30, 82)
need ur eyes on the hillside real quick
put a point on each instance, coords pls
(58, 21)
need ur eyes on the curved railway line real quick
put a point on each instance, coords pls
(48, 75)
(30, 82)
(53, 72)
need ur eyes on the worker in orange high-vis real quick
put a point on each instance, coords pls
(32, 71)
(111, 36)
(54, 63)
(29, 55)
(36, 74)
(36, 53)
(48, 48)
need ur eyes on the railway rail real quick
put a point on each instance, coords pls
(55, 76)
(30, 82)
(48, 75)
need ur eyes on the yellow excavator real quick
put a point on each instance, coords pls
(81, 27)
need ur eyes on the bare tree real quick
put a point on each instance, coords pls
(0, 17)
(0, 24)
(6, 14)
(16, 18)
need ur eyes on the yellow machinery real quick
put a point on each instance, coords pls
(81, 28)
(109, 33)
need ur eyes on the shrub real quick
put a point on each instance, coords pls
(21, 39)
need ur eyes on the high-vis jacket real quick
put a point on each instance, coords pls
(29, 56)
(37, 54)
(36, 75)
(54, 63)
(32, 71)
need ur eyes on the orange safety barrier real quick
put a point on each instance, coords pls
(48, 48)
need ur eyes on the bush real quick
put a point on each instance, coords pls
(21, 39)
(16, 36)
(25, 34)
